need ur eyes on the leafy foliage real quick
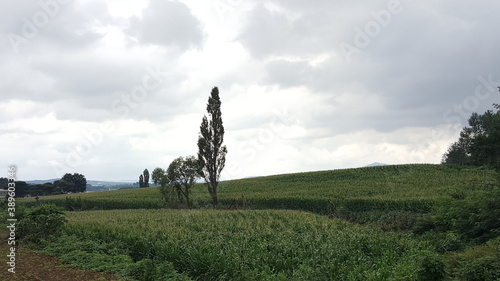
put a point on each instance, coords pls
(159, 177)
(71, 183)
(431, 266)
(479, 144)
(474, 218)
(40, 223)
(182, 174)
(475, 264)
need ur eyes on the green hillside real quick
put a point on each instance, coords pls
(395, 187)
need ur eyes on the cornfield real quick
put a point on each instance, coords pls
(254, 244)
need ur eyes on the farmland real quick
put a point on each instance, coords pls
(397, 187)
(254, 244)
(352, 224)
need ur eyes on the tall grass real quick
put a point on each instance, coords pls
(255, 245)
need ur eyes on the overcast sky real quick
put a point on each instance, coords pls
(109, 88)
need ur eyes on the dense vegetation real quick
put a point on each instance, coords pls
(69, 183)
(401, 222)
(479, 143)
(256, 244)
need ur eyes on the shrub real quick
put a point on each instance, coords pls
(40, 223)
(485, 268)
(474, 218)
(476, 263)
(431, 267)
(148, 270)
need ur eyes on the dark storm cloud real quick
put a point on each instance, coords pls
(423, 59)
(167, 23)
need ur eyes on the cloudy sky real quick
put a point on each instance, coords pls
(109, 88)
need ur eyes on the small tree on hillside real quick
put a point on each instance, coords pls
(211, 152)
(159, 177)
(182, 174)
(168, 192)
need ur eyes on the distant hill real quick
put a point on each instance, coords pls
(375, 164)
(95, 184)
(40, 181)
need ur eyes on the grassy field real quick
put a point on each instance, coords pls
(255, 244)
(352, 224)
(397, 187)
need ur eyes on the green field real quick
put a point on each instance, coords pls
(352, 224)
(254, 244)
(397, 187)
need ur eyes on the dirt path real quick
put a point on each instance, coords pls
(31, 266)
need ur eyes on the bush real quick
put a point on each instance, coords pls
(431, 267)
(474, 219)
(147, 270)
(40, 223)
(476, 263)
(485, 268)
(72, 204)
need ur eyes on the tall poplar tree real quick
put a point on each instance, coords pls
(141, 180)
(211, 152)
(146, 178)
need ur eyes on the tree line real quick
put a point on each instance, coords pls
(69, 183)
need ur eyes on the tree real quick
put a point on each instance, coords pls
(71, 183)
(144, 179)
(456, 154)
(479, 143)
(64, 186)
(182, 174)
(167, 191)
(159, 177)
(211, 153)
(141, 180)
